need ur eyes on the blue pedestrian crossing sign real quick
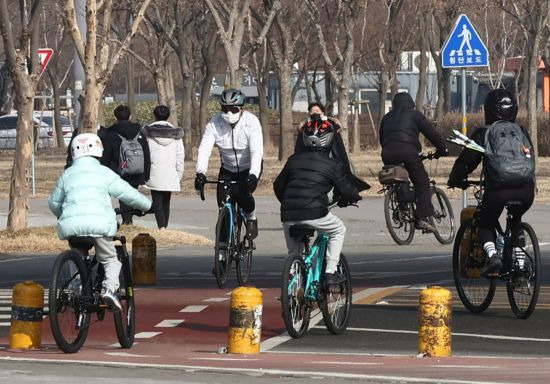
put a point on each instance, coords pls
(464, 47)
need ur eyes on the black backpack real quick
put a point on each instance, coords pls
(509, 155)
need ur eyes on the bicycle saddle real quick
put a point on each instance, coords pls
(301, 230)
(81, 242)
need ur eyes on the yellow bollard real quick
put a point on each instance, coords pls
(245, 321)
(27, 309)
(434, 317)
(144, 259)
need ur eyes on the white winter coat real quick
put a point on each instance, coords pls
(167, 154)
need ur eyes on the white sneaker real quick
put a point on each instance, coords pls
(111, 299)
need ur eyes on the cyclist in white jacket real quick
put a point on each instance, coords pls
(238, 135)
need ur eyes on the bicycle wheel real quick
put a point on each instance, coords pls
(399, 218)
(296, 309)
(475, 292)
(336, 302)
(69, 288)
(243, 259)
(523, 283)
(125, 321)
(222, 248)
(444, 219)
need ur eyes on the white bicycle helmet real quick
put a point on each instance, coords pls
(232, 97)
(86, 144)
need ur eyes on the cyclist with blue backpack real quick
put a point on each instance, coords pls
(508, 169)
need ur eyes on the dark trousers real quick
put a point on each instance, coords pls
(126, 216)
(420, 179)
(161, 206)
(240, 191)
(492, 206)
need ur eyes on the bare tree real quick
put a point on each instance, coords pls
(22, 57)
(94, 50)
(532, 17)
(345, 17)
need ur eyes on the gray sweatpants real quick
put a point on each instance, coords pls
(330, 225)
(106, 254)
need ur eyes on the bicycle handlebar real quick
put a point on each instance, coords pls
(135, 212)
(231, 182)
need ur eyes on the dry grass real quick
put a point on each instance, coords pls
(44, 239)
(49, 165)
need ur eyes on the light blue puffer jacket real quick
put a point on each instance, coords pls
(81, 199)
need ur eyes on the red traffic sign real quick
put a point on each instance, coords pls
(44, 55)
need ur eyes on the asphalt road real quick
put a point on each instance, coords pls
(379, 346)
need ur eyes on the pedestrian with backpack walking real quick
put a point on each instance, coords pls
(508, 170)
(126, 152)
(167, 154)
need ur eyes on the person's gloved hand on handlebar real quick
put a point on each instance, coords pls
(441, 153)
(200, 180)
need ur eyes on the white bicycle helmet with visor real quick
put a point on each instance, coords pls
(86, 144)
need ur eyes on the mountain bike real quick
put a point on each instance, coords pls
(304, 288)
(231, 244)
(400, 207)
(521, 263)
(75, 294)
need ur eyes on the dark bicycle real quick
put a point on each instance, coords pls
(231, 244)
(400, 208)
(521, 263)
(75, 294)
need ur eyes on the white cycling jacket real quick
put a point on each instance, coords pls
(241, 147)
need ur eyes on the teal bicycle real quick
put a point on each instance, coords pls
(304, 289)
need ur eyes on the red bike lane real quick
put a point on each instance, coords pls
(185, 328)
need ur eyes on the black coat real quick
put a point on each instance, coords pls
(399, 129)
(468, 160)
(111, 149)
(303, 185)
(338, 151)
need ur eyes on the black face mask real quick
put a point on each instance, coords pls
(315, 117)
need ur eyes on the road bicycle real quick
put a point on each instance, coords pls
(232, 244)
(521, 263)
(400, 207)
(75, 294)
(304, 289)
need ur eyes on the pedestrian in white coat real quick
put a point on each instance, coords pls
(167, 154)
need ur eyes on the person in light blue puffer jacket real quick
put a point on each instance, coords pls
(81, 200)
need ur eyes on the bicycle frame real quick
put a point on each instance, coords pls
(313, 258)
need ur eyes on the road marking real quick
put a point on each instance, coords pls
(169, 323)
(5, 316)
(397, 260)
(216, 299)
(465, 366)
(375, 297)
(5, 324)
(344, 363)
(117, 345)
(257, 371)
(126, 354)
(221, 358)
(194, 308)
(497, 337)
(146, 335)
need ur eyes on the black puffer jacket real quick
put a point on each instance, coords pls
(111, 149)
(400, 127)
(303, 185)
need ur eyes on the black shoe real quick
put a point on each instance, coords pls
(493, 266)
(426, 224)
(334, 278)
(252, 228)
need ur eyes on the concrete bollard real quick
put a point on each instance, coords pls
(144, 259)
(434, 317)
(245, 321)
(27, 310)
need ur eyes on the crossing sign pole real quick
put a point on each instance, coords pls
(464, 48)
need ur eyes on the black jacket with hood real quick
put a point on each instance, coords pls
(111, 149)
(400, 127)
(303, 185)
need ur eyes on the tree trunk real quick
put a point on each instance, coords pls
(205, 96)
(382, 92)
(90, 108)
(171, 96)
(187, 116)
(446, 90)
(57, 112)
(264, 114)
(286, 128)
(19, 187)
(130, 75)
(343, 103)
(533, 60)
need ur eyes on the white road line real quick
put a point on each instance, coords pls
(216, 299)
(344, 363)
(496, 337)
(448, 256)
(221, 359)
(194, 308)
(5, 324)
(146, 335)
(169, 323)
(466, 366)
(126, 354)
(5, 316)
